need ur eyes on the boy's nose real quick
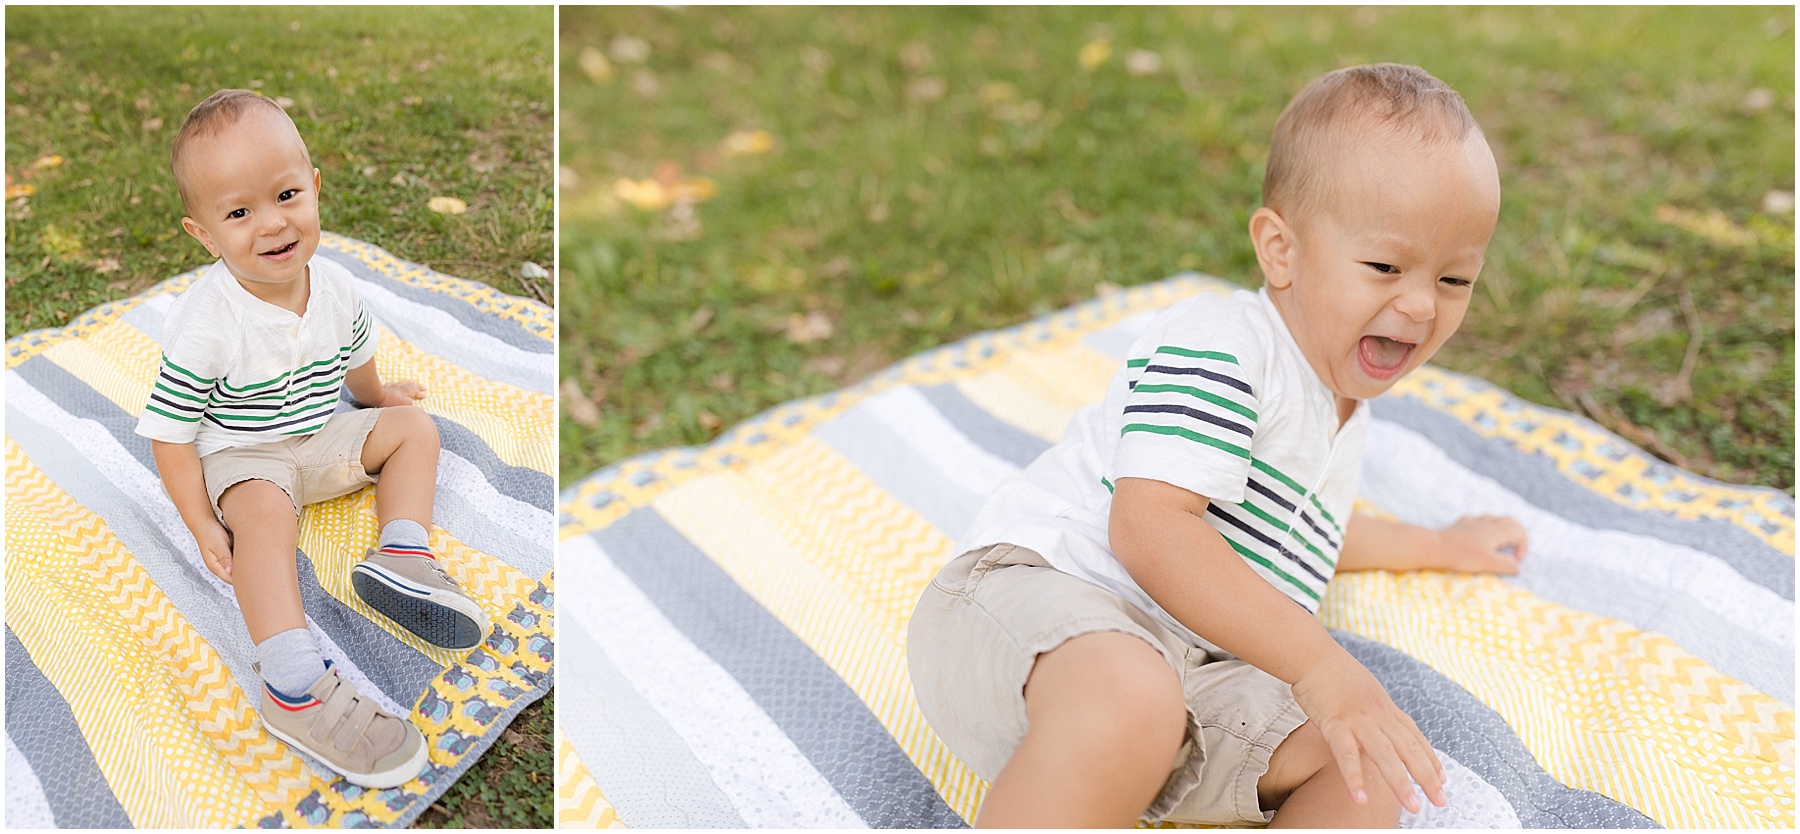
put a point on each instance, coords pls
(1418, 301)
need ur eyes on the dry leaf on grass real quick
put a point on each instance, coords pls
(575, 401)
(643, 195)
(1094, 53)
(106, 265)
(812, 327)
(594, 65)
(47, 161)
(749, 143)
(1143, 62)
(447, 205)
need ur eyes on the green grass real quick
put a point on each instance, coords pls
(397, 105)
(938, 172)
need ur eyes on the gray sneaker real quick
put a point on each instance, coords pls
(334, 723)
(412, 589)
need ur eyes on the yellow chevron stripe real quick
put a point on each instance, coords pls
(118, 361)
(519, 425)
(579, 802)
(1039, 392)
(537, 319)
(336, 534)
(841, 564)
(1581, 453)
(1601, 705)
(177, 741)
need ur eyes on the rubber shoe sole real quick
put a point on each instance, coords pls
(391, 778)
(438, 618)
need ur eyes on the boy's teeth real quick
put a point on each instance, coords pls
(1383, 352)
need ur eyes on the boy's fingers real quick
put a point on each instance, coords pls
(1349, 764)
(1392, 767)
(1423, 762)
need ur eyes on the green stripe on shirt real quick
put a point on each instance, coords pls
(1177, 431)
(1253, 556)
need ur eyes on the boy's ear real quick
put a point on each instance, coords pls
(315, 182)
(1274, 242)
(199, 232)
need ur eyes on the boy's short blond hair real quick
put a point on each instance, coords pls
(1338, 108)
(219, 111)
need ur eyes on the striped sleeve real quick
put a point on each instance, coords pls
(186, 383)
(364, 338)
(1189, 420)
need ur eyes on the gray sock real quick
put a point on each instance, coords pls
(290, 661)
(406, 537)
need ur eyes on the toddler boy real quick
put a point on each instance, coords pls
(241, 420)
(1131, 628)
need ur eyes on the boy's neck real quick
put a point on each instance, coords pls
(291, 296)
(1345, 408)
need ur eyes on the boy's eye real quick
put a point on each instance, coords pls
(288, 194)
(238, 213)
(1384, 269)
(1457, 282)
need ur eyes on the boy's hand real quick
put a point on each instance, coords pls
(1362, 724)
(215, 549)
(1482, 544)
(401, 392)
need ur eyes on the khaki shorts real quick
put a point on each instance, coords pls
(310, 468)
(987, 616)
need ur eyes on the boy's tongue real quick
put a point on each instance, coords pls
(1383, 353)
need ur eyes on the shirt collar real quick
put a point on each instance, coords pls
(260, 309)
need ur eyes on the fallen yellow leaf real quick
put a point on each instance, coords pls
(749, 143)
(1094, 53)
(696, 190)
(447, 205)
(594, 65)
(47, 161)
(644, 195)
(16, 191)
(1712, 225)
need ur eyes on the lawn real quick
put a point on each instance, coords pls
(762, 204)
(397, 106)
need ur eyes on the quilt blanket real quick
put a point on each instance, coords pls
(735, 615)
(130, 700)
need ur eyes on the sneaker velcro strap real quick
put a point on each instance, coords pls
(342, 698)
(356, 724)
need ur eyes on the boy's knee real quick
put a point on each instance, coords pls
(411, 421)
(256, 501)
(1117, 690)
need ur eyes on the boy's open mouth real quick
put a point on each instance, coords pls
(1382, 357)
(278, 252)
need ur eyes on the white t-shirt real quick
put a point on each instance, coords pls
(238, 371)
(1216, 398)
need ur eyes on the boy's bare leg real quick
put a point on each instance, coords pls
(1304, 782)
(403, 448)
(1107, 717)
(265, 535)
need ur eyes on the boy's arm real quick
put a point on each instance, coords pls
(1159, 535)
(179, 466)
(1474, 544)
(367, 389)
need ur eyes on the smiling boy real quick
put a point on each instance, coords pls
(245, 428)
(1131, 631)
